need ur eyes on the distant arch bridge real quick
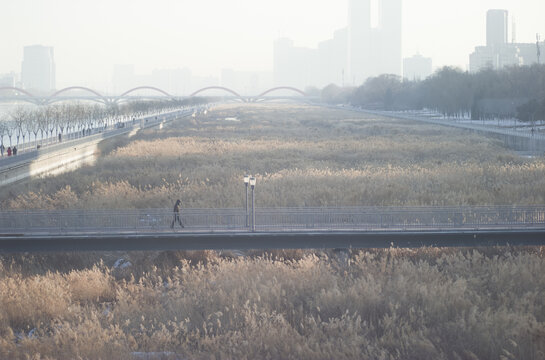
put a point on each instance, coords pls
(14, 94)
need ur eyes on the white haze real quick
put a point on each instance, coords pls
(89, 37)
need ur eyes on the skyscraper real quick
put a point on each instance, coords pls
(359, 40)
(390, 38)
(283, 66)
(498, 53)
(354, 54)
(38, 68)
(496, 27)
(293, 65)
(374, 51)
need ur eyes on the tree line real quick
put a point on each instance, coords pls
(517, 91)
(76, 118)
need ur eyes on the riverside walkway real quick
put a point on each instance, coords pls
(37, 161)
(340, 227)
(520, 139)
(32, 149)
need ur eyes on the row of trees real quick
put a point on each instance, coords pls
(517, 91)
(55, 121)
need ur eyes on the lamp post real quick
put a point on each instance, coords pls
(252, 184)
(246, 181)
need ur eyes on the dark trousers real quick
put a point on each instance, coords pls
(176, 219)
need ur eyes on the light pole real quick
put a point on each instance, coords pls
(252, 184)
(246, 181)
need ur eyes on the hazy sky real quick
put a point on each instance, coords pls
(208, 35)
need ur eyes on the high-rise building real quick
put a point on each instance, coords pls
(389, 61)
(246, 82)
(374, 51)
(417, 67)
(496, 27)
(360, 44)
(528, 52)
(353, 54)
(494, 57)
(332, 60)
(38, 68)
(498, 53)
(282, 61)
(173, 81)
(7, 80)
(294, 66)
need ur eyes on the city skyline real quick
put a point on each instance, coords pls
(239, 35)
(354, 53)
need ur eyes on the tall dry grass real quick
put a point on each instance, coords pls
(383, 304)
(301, 156)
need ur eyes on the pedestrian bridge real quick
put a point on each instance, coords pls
(338, 227)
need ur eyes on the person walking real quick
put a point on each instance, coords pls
(2, 148)
(177, 214)
(14, 150)
(9, 150)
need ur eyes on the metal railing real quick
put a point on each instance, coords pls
(145, 221)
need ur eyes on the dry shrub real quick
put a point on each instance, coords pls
(31, 264)
(92, 285)
(382, 304)
(85, 338)
(29, 302)
(62, 199)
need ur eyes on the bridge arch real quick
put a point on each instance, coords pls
(217, 88)
(145, 88)
(77, 88)
(281, 88)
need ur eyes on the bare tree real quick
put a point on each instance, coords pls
(40, 123)
(98, 115)
(53, 120)
(32, 125)
(69, 114)
(3, 132)
(79, 113)
(19, 117)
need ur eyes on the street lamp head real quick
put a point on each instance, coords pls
(246, 179)
(252, 181)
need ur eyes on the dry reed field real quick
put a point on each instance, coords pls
(393, 304)
(301, 156)
(386, 304)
